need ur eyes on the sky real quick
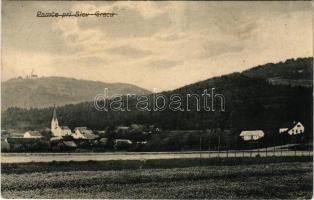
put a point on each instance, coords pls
(162, 45)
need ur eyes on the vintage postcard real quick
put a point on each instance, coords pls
(156, 99)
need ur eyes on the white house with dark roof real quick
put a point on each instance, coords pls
(252, 135)
(294, 129)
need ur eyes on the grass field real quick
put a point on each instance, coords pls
(265, 180)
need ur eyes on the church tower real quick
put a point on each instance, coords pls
(55, 129)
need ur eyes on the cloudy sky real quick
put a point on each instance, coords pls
(161, 45)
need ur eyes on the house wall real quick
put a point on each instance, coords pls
(251, 137)
(57, 132)
(28, 135)
(77, 134)
(247, 137)
(65, 132)
(296, 130)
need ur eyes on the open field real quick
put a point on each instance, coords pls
(49, 157)
(265, 180)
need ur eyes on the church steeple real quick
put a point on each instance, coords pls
(54, 121)
(54, 116)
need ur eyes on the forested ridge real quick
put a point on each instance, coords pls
(252, 102)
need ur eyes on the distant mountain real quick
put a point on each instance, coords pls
(46, 91)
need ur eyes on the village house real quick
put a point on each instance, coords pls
(252, 135)
(101, 133)
(27, 134)
(16, 135)
(282, 130)
(294, 129)
(122, 130)
(65, 131)
(84, 133)
(33, 135)
(117, 141)
(13, 137)
(137, 128)
(152, 129)
(30, 140)
(122, 144)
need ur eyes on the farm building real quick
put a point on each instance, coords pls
(282, 130)
(293, 129)
(122, 144)
(137, 128)
(33, 140)
(252, 135)
(27, 137)
(122, 130)
(16, 135)
(122, 141)
(101, 133)
(33, 134)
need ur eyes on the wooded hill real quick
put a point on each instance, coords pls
(252, 102)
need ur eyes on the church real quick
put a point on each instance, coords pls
(56, 130)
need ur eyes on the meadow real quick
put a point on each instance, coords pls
(284, 180)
